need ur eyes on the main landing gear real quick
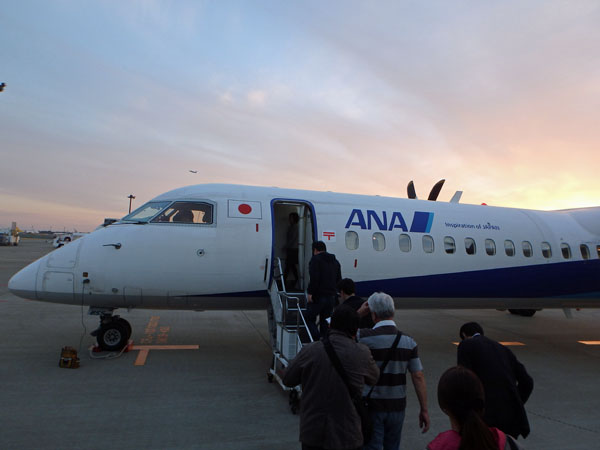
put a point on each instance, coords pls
(523, 312)
(114, 331)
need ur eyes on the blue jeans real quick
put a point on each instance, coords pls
(387, 429)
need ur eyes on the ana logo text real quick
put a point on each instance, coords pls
(421, 222)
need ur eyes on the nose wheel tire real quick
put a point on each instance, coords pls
(113, 336)
(127, 326)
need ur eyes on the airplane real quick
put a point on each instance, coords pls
(219, 247)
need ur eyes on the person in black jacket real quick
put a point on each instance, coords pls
(347, 290)
(325, 273)
(506, 383)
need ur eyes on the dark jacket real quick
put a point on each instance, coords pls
(327, 416)
(325, 274)
(356, 302)
(506, 383)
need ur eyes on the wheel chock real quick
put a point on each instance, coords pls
(96, 349)
(129, 346)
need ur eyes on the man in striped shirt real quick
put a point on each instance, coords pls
(388, 399)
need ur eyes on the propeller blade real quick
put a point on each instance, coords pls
(435, 191)
(411, 190)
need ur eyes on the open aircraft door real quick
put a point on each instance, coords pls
(282, 212)
(293, 223)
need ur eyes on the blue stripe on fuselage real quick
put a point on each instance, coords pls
(421, 222)
(429, 223)
(576, 278)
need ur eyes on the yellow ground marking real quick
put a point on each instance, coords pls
(163, 335)
(150, 330)
(145, 349)
(589, 342)
(502, 342)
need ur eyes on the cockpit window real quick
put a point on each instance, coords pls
(145, 212)
(186, 212)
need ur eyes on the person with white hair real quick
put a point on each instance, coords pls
(395, 354)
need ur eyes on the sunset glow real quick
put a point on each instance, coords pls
(108, 99)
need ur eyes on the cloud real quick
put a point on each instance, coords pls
(226, 98)
(257, 97)
(499, 99)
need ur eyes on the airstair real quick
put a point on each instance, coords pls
(287, 330)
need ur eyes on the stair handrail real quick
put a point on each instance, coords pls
(301, 315)
(280, 276)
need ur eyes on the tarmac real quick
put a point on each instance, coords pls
(201, 382)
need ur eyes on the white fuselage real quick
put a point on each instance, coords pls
(423, 253)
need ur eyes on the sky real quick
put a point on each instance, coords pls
(105, 99)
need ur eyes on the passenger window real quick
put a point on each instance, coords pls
(490, 247)
(546, 250)
(449, 245)
(509, 248)
(585, 251)
(404, 242)
(527, 249)
(351, 240)
(428, 245)
(379, 242)
(186, 213)
(470, 246)
(566, 250)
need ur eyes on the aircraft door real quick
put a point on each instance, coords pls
(302, 226)
(293, 231)
(306, 238)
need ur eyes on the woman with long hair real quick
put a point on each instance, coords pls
(461, 397)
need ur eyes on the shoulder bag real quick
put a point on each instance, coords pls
(360, 403)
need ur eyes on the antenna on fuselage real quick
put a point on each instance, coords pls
(456, 197)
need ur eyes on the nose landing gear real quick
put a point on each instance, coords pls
(113, 334)
(114, 331)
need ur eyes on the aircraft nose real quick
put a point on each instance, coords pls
(23, 282)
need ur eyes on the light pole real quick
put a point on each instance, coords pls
(130, 197)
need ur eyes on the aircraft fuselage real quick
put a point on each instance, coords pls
(424, 254)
